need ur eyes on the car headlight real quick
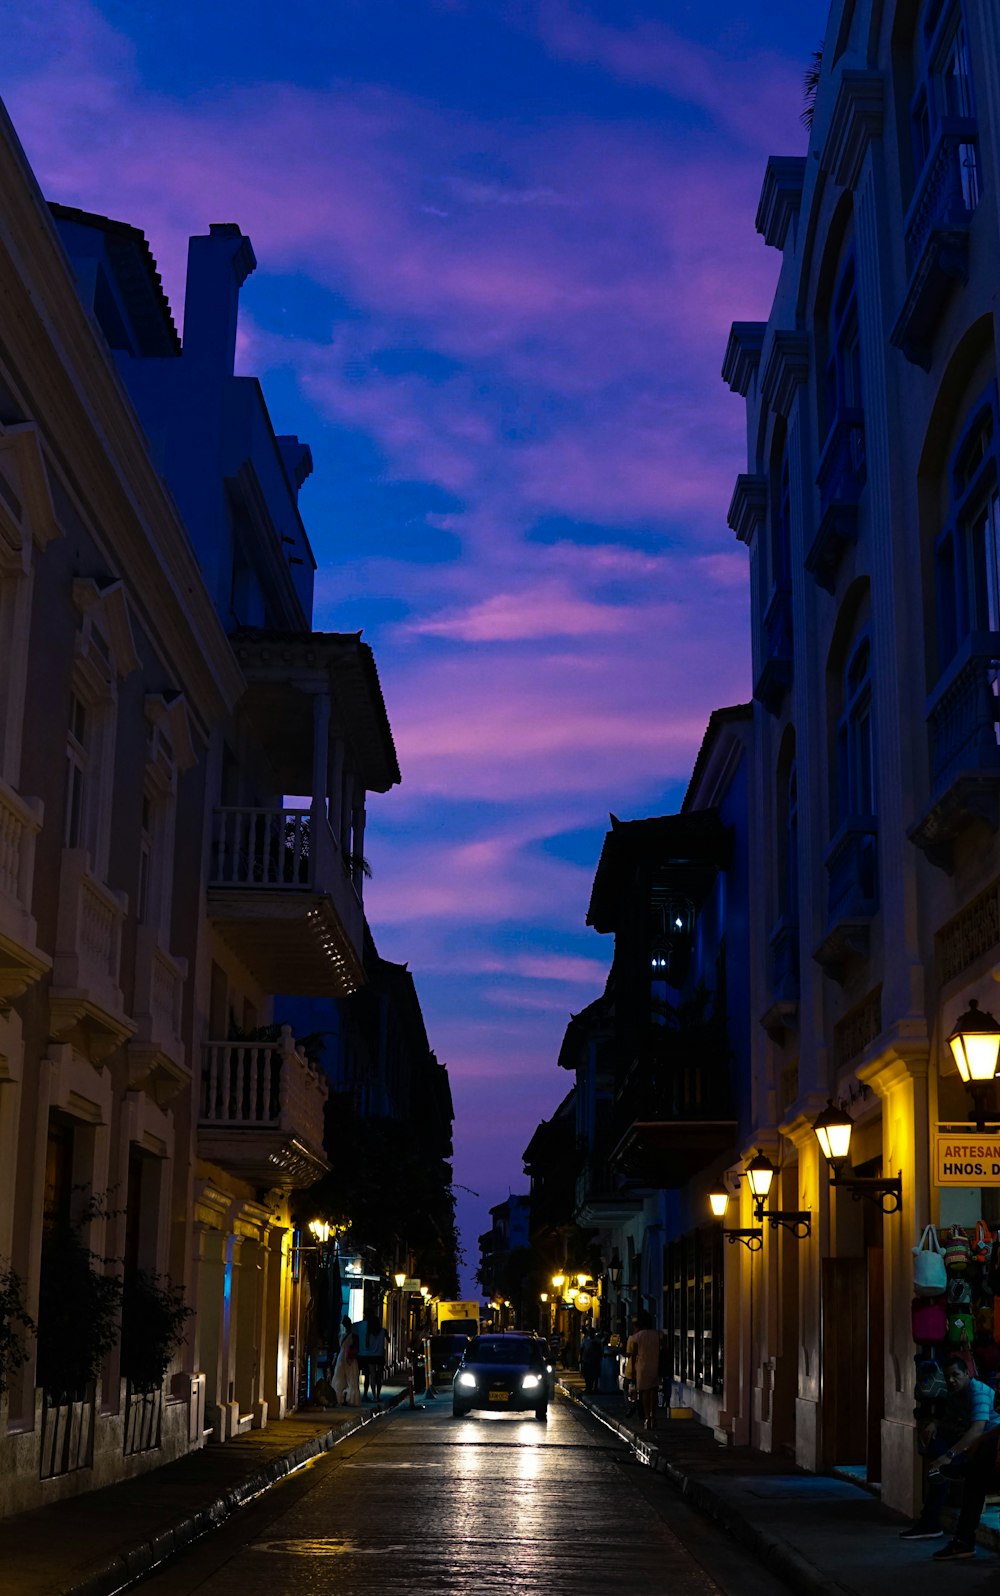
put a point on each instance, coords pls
(548, 1368)
(530, 1381)
(466, 1379)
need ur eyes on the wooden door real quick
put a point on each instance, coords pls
(876, 1360)
(845, 1361)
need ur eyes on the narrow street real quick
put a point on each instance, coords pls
(423, 1502)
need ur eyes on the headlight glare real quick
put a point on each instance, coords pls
(466, 1379)
(530, 1381)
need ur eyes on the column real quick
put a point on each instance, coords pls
(335, 787)
(274, 1339)
(358, 816)
(321, 752)
(346, 813)
(902, 1084)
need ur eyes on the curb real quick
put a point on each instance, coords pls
(778, 1557)
(127, 1566)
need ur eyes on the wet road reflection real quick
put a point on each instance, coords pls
(424, 1502)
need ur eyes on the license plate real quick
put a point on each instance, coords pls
(499, 1396)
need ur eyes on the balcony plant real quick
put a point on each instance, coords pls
(15, 1324)
(154, 1314)
(78, 1310)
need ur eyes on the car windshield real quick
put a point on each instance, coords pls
(482, 1350)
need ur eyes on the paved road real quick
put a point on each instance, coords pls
(424, 1502)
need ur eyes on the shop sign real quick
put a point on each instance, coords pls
(967, 1158)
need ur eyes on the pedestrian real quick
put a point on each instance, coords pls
(374, 1364)
(590, 1361)
(345, 1371)
(643, 1354)
(947, 1432)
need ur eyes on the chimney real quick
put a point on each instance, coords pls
(218, 266)
(296, 457)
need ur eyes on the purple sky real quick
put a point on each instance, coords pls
(501, 243)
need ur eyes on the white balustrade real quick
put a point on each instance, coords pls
(270, 848)
(20, 822)
(261, 1084)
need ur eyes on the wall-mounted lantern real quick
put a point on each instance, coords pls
(760, 1173)
(833, 1132)
(751, 1239)
(975, 1045)
(615, 1270)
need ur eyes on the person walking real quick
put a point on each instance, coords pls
(346, 1384)
(374, 1365)
(643, 1354)
(590, 1361)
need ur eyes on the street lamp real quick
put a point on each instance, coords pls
(760, 1173)
(543, 1296)
(833, 1132)
(975, 1045)
(559, 1281)
(400, 1279)
(320, 1228)
(752, 1239)
(615, 1270)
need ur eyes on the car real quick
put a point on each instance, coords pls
(550, 1368)
(446, 1354)
(502, 1373)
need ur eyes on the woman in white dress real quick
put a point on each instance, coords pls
(346, 1381)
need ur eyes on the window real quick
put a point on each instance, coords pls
(781, 528)
(942, 111)
(77, 756)
(855, 741)
(967, 553)
(842, 391)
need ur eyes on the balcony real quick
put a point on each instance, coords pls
(674, 1110)
(774, 677)
(841, 477)
(283, 899)
(21, 960)
(86, 1005)
(602, 1198)
(261, 1113)
(963, 723)
(852, 897)
(937, 236)
(157, 1062)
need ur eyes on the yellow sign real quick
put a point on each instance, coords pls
(967, 1158)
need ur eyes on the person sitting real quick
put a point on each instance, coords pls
(947, 1434)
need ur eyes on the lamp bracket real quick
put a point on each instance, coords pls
(751, 1239)
(797, 1221)
(886, 1192)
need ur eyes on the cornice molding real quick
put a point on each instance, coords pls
(856, 120)
(743, 351)
(780, 198)
(748, 506)
(94, 439)
(785, 370)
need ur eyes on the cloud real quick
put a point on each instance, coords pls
(549, 611)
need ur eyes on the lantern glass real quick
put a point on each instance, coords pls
(975, 1043)
(399, 1280)
(558, 1281)
(760, 1173)
(719, 1201)
(833, 1132)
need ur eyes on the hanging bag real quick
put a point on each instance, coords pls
(959, 1293)
(982, 1242)
(961, 1327)
(957, 1251)
(929, 1274)
(929, 1321)
(963, 1347)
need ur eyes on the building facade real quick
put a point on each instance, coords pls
(870, 512)
(183, 771)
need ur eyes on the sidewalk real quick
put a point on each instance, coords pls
(93, 1545)
(822, 1535)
